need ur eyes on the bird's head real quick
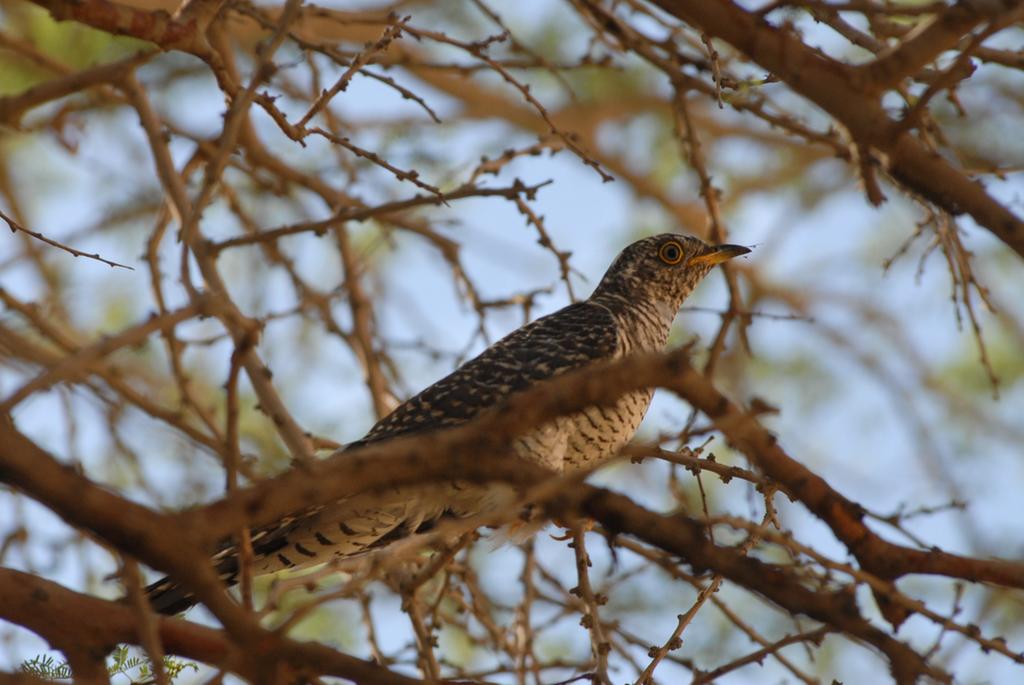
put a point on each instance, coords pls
(664, 268)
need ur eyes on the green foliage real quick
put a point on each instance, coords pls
(45, 666)
(964, 372)
(136, 668)
(68, 43)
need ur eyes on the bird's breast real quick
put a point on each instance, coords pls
(598, 433)
(590, 437)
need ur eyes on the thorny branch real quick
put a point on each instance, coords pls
(15, 226)
(288, 159)
(406, 462)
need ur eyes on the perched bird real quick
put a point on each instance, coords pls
(631, 310)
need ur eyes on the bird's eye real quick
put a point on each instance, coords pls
(671, 253)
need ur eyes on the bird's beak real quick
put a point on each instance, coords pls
(719, 254)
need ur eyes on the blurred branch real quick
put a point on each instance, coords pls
(72, 621)
(12, 107)
(15, 226)
(815, 636)
(185, 33)
(928, 40)
(21, 347)
(686, 538)
(73, 366)
(840, 91)
(381, 211)
(242, 328)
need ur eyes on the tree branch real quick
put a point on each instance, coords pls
(72, 621)
(843, 92)
(156, 26)
(455, 453)
(925, 43)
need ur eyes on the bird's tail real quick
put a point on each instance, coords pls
(168, 597)
(356, 526)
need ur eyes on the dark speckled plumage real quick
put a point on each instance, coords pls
(631, 310)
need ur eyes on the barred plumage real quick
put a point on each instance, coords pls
(631, 310)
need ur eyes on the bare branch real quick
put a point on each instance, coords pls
(15, 226)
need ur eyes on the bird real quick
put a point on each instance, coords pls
(631, 310)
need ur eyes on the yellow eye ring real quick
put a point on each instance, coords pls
(671, 253)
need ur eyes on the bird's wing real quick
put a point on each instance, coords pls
(570, 338)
